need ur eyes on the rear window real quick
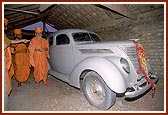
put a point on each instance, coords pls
(62, 39)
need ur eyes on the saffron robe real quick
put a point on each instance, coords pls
(9, 70)
(39, 52)
(21, 63)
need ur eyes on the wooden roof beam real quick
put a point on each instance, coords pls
(22, 11)
(121, 9)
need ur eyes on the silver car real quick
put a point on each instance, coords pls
(101, 69)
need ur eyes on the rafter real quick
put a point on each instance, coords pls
(121, 9)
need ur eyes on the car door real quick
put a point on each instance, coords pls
(63, 58)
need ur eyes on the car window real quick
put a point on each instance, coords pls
(81, 37)
(62, 39)
(94, 37)
(50, 40)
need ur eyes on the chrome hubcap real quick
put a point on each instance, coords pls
(95, 91)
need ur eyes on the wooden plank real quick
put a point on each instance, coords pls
(119, 8)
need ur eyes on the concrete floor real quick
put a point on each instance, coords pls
(61, 97)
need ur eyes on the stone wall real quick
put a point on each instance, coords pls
(148, 28)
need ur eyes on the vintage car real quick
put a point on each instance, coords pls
(102, 69)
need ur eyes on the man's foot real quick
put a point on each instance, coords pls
(19, 84)
(36, 86)
(46, 84)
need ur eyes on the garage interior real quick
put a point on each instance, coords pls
(112, 22)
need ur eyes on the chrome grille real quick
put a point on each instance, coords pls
(131, 53)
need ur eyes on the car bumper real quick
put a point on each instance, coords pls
(136, 93)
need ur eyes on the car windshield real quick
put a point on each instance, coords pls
(82, 37)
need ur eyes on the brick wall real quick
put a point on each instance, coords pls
(148, 28)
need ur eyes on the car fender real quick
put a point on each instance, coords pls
(107, 70)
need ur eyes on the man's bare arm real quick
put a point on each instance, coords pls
(19, 41)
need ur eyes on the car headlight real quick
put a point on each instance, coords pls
(125, 65)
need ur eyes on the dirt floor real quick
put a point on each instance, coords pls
(61, 97)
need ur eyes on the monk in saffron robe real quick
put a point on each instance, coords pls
(39, 52)
(21, 60)
(9, 70)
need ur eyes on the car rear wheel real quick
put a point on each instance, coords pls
(97, 92)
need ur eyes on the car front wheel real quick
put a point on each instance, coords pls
(97, 92)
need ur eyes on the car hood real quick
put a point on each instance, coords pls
(104, 44)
